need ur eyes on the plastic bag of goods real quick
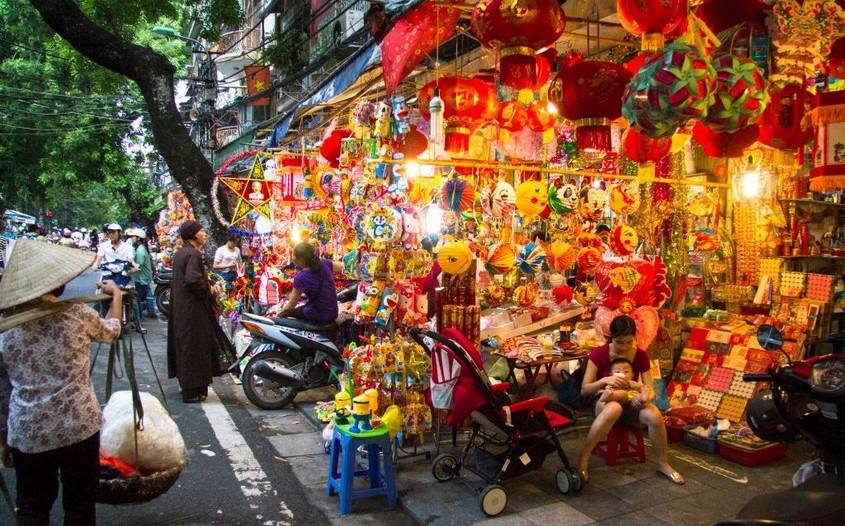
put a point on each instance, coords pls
(160, 444)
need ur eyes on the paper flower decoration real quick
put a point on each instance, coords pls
(562, 255)
(623, 240)
(531, 198)
(457, 194)
(740, 94)
(526, 295)
(455, 257)
(531, 258)
(674, 85)
(500, 259)
(494, 295)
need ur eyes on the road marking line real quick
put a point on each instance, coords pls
(253, 481)
(709, 467)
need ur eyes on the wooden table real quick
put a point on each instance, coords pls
(552, 321)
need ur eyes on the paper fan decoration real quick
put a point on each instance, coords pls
(531, 258)
(561, 255)
(457, 194)
(500, 259)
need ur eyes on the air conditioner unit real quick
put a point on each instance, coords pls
(347, 25)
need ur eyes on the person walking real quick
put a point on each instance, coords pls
(197, 348)
(49, 414)
(142, 278)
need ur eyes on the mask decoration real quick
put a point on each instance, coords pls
(531, 198)
(503, 199)
(625, 198)
(591, 203)
(563, 198)
(623, 240)
(384, 119)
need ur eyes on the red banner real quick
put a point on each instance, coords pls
(257, 81)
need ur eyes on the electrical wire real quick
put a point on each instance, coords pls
(15, 44)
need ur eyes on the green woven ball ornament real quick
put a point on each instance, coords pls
(673, 86)
(740, 96)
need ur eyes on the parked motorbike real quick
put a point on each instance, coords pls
(806, 400)
(287, 356)
(162, 279)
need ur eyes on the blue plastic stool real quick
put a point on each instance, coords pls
(344, 446)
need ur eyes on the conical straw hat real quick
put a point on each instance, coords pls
(36, 268)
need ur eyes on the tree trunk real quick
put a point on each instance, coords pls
(154, 76)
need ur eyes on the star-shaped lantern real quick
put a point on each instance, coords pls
(253, 192)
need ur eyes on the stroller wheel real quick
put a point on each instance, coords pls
(564, 482)
(493, 500)
(444, 467)
(577, 480)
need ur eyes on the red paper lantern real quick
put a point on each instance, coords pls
(651, 19)
(512, 116)
(462, 97)
(780, 126)
(590, 93)
(641, 148)
(539, 118)
(724, 144)
(516, 29)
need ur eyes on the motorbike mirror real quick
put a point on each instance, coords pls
(769, 337)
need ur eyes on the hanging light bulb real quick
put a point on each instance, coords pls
(433, 219)
(747, 182)
(435, 108)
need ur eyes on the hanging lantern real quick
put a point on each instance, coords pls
(539, 118)
(512, 116)
(725, 144)
(517, 29)
(413, 144)
(828, 120)
(780, 126)
(673, 86)
(467, 103)
(651, 19)
(740, 96)
(589, 92)
(330, 147)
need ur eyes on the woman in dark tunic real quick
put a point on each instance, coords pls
(196, 344)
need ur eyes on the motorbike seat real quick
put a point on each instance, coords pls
(305, 325)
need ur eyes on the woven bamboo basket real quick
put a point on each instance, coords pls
(137, 489)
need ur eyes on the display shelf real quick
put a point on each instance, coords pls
(509, 331)
(814, 202)
(834, 258)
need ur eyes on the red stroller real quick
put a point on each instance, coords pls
(506, 440)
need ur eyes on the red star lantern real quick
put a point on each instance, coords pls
(253, 192)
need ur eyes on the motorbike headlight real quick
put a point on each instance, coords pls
(828, 376)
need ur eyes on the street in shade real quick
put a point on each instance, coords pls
(234, 474)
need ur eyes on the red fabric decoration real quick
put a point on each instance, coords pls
(415, 143)
(330, 147)
(724, 144)
(412, 38)
(780, 126)
(641, 148)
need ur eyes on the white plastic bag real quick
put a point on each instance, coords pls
(160, 444)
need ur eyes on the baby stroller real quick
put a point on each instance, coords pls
(506, 440)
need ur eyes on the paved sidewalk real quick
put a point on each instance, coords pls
(629, 494)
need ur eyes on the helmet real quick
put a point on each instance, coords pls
(83, 230)
(137, 232)
(66, 232)
(767, 421)
(113, 226)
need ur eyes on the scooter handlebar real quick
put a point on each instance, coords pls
(754, 377)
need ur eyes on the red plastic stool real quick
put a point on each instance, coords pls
(620, 444)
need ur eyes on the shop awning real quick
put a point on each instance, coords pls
(19, 217)
(330, 87)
